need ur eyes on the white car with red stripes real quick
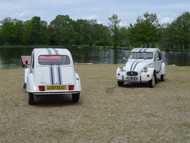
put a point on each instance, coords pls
(144, 65)
(51, 72)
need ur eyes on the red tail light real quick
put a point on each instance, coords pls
(41, 88)
(71, 87)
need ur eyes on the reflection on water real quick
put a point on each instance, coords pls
(10, 57)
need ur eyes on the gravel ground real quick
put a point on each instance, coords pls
(106, 113)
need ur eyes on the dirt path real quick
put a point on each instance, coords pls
(106, 113)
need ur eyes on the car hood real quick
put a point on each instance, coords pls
(137, 65)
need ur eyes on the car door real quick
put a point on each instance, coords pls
(32, 64)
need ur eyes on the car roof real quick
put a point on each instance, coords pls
(51, 51)
(145, 50)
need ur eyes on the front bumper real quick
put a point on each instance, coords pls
(141, 77)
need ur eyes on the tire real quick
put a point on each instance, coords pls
(31, 100)
(24, 86)
(162, 78)
(152, 82)
(75, 97)
(120, 83)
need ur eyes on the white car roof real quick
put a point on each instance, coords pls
(48, 51)
(145, 50)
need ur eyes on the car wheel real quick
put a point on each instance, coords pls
(31, 100)
(120, 83)
(24, 86)
(162, 78)
(75, 97)
(152, 82)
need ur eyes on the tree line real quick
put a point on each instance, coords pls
(63, 30)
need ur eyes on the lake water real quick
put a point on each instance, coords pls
(10, 57)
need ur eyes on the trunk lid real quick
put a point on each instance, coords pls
(54, 75)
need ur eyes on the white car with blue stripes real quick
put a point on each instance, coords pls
(144, 65)
(51, 72)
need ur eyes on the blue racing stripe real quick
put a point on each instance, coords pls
(51, 71)
(132, 66)
(140, 50)
(52, 77)
(59, 69)
(135, 65)
(60, 77)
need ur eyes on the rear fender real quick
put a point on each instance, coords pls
(163, 69)
(78, 83)
(26, 72)
(30, 86)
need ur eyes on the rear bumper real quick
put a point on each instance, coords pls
(55, 93)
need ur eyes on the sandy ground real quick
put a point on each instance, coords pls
(105, 114)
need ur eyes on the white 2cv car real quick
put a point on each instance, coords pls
(51, 72)
(144, 65)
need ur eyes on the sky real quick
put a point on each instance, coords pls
(127, 10)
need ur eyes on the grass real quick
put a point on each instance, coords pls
(106, 113)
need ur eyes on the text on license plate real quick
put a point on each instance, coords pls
(132, 78)
(53, 87)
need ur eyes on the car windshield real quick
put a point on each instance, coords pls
(54, 60)
(141, 55)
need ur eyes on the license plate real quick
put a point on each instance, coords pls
(54, 87)
(132, 78)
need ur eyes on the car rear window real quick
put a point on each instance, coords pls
(54, 60)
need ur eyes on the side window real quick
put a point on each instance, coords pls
(156, 56)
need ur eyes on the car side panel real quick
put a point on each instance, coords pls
(78, 83)
(30, 87)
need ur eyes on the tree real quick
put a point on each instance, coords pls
(61, 31)
(11, 32)
(85, 32)
(177, 34)
(123, 36)
(145, 32)
(114, 26)
(35, 32)
(102, 35)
